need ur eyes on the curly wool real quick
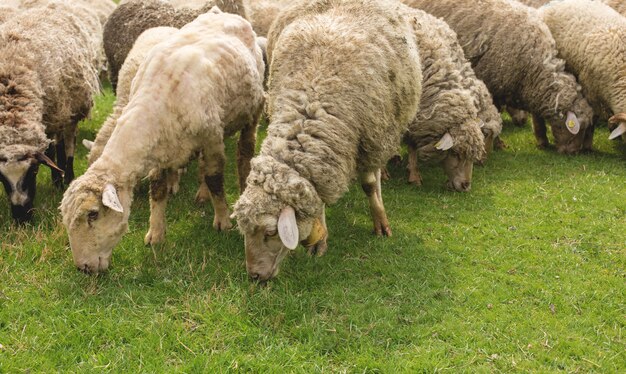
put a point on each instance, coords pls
(451, 93)
(136, 56)
(522, 71)
(344, 83)
(132, 18)
(43, 89)
(592, 38)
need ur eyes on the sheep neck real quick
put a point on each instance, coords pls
(126, 156)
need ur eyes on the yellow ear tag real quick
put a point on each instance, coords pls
(318, 232)
(571, 124)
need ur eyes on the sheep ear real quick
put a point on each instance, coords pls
(572, 123)
(88, 144)
(110, 198)
(621, 129)
(43, 159)
(288, 228)
(445, 143)
(215, 10)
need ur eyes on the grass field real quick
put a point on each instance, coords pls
(525, 273)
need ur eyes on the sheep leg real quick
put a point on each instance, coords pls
(245, 151)
(588, 141)
(370, 182)
(57, 177)
(69, 144)
(539, 127)
(414, 174)
(203, 193)
(158, 202)
(214, 160)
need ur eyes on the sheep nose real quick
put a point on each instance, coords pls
(466, 186)
(255, 276)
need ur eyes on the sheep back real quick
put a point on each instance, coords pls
(132, 18)
(591, 37)
(345, 82)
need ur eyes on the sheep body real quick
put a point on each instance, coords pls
(132, 18)
(591, 37)
(44, 93)
(523, 71)
(345, 82)
(6, 12)
(193, 89)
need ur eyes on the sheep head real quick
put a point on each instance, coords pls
(18, 174)
(458, 149)
(95, 214)
(277, 210)
(569, 128)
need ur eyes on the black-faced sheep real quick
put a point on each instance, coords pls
(591, 37)
(513, 52)
(193, 89)
(132, 18)
(345, 81)
(44, 93)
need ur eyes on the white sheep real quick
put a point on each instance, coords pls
(193, 89)
(345, 82)
(513, 52)
(48, 78)
(591, 37)
(454, 106)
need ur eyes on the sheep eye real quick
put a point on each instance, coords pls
(92, 216)
(269, 233)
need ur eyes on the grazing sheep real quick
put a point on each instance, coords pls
(591, 37)
(263, 12)
(44, 93)
(513, 52)
(345, 81)
(132, 18)
(201, 84)
(454, 104)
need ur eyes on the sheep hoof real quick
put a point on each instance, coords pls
(415, 180)
(382, 229)
(222, 224)
(154, 237)
(318, 249)
(202, 196)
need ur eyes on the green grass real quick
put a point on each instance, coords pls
(525, 273)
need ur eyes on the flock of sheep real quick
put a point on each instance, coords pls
(342, 82)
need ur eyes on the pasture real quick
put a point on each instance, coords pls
(524, 273)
